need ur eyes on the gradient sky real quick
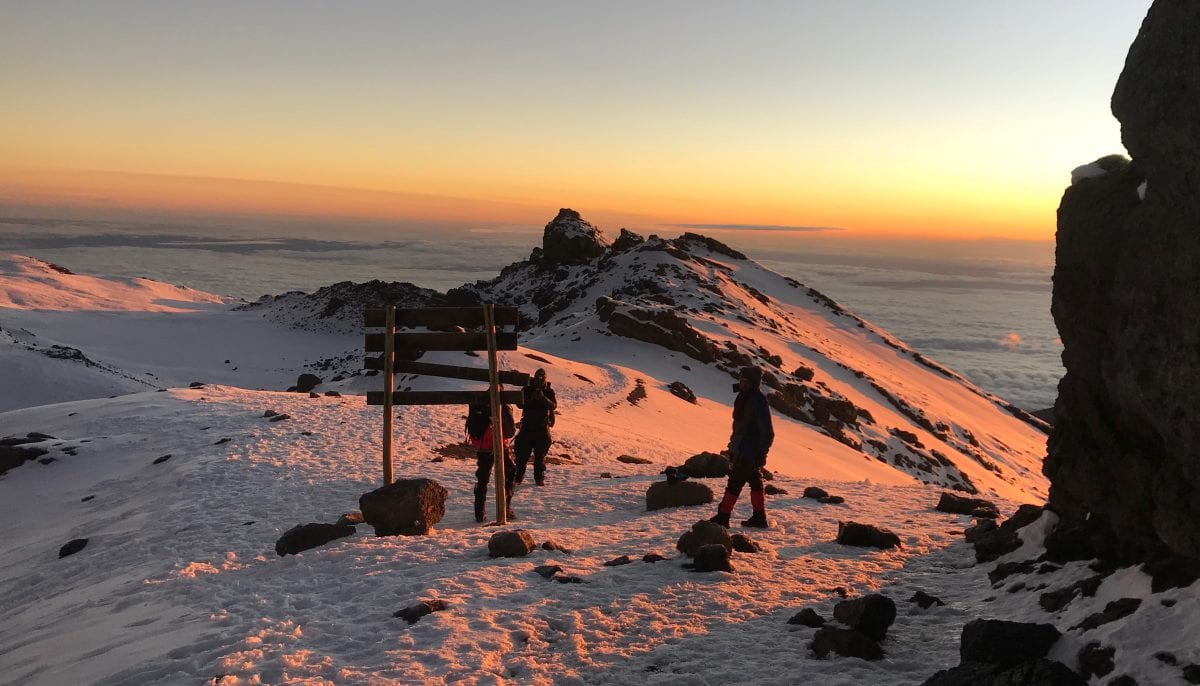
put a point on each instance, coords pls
(923, 117)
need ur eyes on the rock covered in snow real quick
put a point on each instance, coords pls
(569, 239)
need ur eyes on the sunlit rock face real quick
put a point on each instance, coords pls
(1126, 445)
(569, 239)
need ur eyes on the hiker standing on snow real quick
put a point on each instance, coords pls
(479, 434)
(748, 446)
(537, 416)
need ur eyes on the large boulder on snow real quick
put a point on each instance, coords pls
(866, 536)
(1126, 279)
(568, 239)
(515, 543)
(706, 465)
(663, 494)
(406, 507)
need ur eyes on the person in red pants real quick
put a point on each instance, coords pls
(748, 446)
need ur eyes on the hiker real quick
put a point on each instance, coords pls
(748, 446)
(537, 416)
(479, 434)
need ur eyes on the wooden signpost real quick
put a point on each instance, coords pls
(399, 347)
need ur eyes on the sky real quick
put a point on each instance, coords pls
(925, 118)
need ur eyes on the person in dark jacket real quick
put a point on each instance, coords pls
(538, 404)
(479, 435)
(748, 446)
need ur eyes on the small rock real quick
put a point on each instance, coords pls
(703, 533)
(332, 394)
(160, 460)
(350, 518)
(630, 459)
(652, 557)
(1004, 643)
(415, 612)
(87, 498)
(71, 547)
(925, 601)
(195, 384)
(280, 417)
(772, 489)
(976, 507)
(713, 557)
(815, 493)
(568, 579)
(224, 440)
(844, 642)
(606, 475)
(866, 536)
(1117, 609)
(807, 617)
(307, 382)
(662, 495)
(269, 413)
(617, 562)
(515, 543)
(831, 500)
(871, 614)
(547, 571)
(744, 544)
(307, 536)
(314, 394)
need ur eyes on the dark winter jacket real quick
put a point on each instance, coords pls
(752, 429)
(537, 405)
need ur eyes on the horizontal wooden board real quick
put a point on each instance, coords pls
(440, 316)
(439, 397)
(435, 340)
(447, 371)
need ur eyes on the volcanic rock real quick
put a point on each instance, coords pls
(407, 507)
(866, 536)
(662, 494)
(307, 536)
(515, 543)
(871, 614)
(703, 533)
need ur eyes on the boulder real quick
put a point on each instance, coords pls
(704, 533)
(706, 465)
(1005, 643)
(866, 536)
(568, 239)
(807, 617)
(1123, 447)
(815, 493)
(712, 557)
(307, 536)
(871, 614)
(515, 543)
(414, 612)
(406, 507)
(662, 494)
(307, 382)
(844, 642)
(976, 507)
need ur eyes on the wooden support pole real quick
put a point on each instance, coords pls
(389, 385)
(489, 324)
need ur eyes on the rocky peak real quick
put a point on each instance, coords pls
(1123, 449)
(569, 239)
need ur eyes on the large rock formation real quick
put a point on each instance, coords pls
(1126, 445)
(568, 239)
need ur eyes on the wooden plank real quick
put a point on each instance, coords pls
(439, 397)
(441, 316)
(440, 341)
(447, 371)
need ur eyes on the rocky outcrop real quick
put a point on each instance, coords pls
(1123, 448)
(568, 239)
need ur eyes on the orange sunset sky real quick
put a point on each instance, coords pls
(925, 118)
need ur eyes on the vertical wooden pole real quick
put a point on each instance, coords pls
(389, 386)
(489, 325)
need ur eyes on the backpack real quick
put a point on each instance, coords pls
(479, 418)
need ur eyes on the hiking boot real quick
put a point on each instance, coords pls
(757, 521)
(478, 518)
(510, 514)
(541, 481)
(721, 518)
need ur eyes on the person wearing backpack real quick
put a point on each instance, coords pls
(748, 445)
(479, 435)
(538, 404)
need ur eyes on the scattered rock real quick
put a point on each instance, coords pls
(1007, 569)
(222, 441)
(866, 536)
(306, 536)
(617, 562)
(744, 544)
(415, 612)
(1004, 643)
(196, 384)
(991, 543)
(681, 391)
(925, 601)
(269, 413)
(515, 543)
(160, 460)
(350, 518)
(844, 642)
(551, 545)
(976, 507)
(307, 382)
(1095, 660)
(662, 494)
(815, 493)
(772, 489)
(831, 500)
(86, 498)
(1117, 609)
(314, 394)
(807, 617)
(871, 614)
(712, 557)
(706, 465)
(280, 417)
(606, 475)
(405, 507)
(652, 557)
(630, 459)
(71, 547)
(332, 394)
(568, 579)
(703, 533)
(547, 571)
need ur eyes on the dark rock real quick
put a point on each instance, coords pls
(704, 533)
(332, 394)
(413, 613)
(712, 557)
(406, 507)
(222, 441)
(547, 571)
(1125, 284)
(1166, 658)
(1171, 571)
(307, 382)
(974, 533)
(160, 460)
(71, 547)
(196, 384)
(314, 394)
(744, 544)
(815, 493)
(662, 327)
(1095, 660)
(626, 241)
(772, 489)
(766, 474)
(652, 557)
(86, 498)
(13, 455)
(279, 417)
(630, 459)
(662, 494)
(976, 507)
(1007, 569)
(269, 413)
(1054, 601)
(992, 543)
(515, 543)
(1117, 609)
(350, 518)
(925, 601)
(1126, 680)
(568, 239)
(807, 617)
(552, 545)
(831, 500)
(866, 536)
(618, 561)
(606, 475)
(681, 391)
(1006, 643)
(706, 465)
(1039, 672)
(1079, 539)
(871, 614)
(966, 674)
(306, 536)
(1191, 674)
(568, 579)
(844, 642)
